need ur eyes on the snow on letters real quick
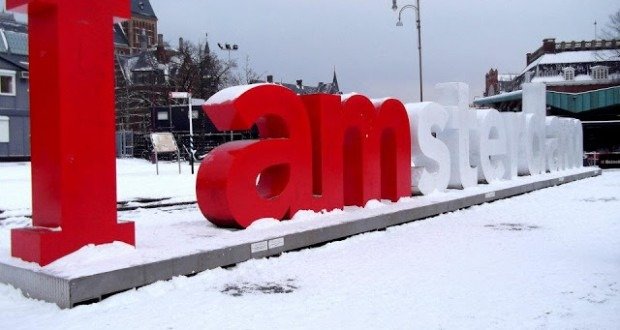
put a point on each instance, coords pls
(486, 145)
(325, 152)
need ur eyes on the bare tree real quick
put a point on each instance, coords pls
(612, 30)
(200, 71)
(246, 75)
(145, 79)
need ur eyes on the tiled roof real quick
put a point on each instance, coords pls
(13, 36)
(142, 8)
(17, 42)
(120, 39)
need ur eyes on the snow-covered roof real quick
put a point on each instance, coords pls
(578, 78)
(560, 78)
(584, 56)
(506, 76)
(509, 96)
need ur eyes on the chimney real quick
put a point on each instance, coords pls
(160, 53)
(270, 79)
(180, 44)
(528, 58)
(549, 45)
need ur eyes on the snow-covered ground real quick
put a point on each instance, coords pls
(548, 259)
(136, 179)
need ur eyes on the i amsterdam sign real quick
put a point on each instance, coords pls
(315, 152)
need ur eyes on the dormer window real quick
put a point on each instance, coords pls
(569, 73)
(600, 72)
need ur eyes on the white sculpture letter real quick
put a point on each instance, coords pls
(454, 97)
(430, 156)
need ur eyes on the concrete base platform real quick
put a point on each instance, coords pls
(68, 291)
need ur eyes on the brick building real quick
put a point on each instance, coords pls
(571, 67)
(496, 82)
(139, 31)
(582, 80)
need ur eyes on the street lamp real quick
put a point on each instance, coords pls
(228, 47)
(400, 23)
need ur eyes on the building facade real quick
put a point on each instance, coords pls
(582, 79)
(571, 67)
(14, 92)
(129, 37)
(496, 82)
(140, 31)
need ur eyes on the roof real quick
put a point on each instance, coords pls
(584, 56)
(14, 42)
(19, 61)
(140, 62)
(142, 8)
(503, 97)
(8, 23)
(579, 79)
(120, 38)
(506, 77)
(13, 39)
(324, 88)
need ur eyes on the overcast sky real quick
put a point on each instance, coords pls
(306, 39)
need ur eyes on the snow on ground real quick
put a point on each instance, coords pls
(547, 259)
(136, 179)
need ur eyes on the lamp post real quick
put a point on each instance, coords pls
(417, 21)
(228, 47)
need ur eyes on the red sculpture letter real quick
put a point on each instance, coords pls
(325, 115)
(240, 182)
(377, 150)
(391, 128)
(72, 121)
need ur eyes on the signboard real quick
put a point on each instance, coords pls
(314, 152)
(163, 142)
(179, 95)
(321, 152)
(4, 129)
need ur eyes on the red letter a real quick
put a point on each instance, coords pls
(240, 182)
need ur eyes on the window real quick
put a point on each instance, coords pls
(162, 115)
(4, 129)
(7, 82)
(569, 73)
(600, 72)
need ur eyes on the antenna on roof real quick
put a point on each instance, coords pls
(595, 34)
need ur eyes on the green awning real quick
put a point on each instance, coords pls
(586, 101)
(572, 102)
